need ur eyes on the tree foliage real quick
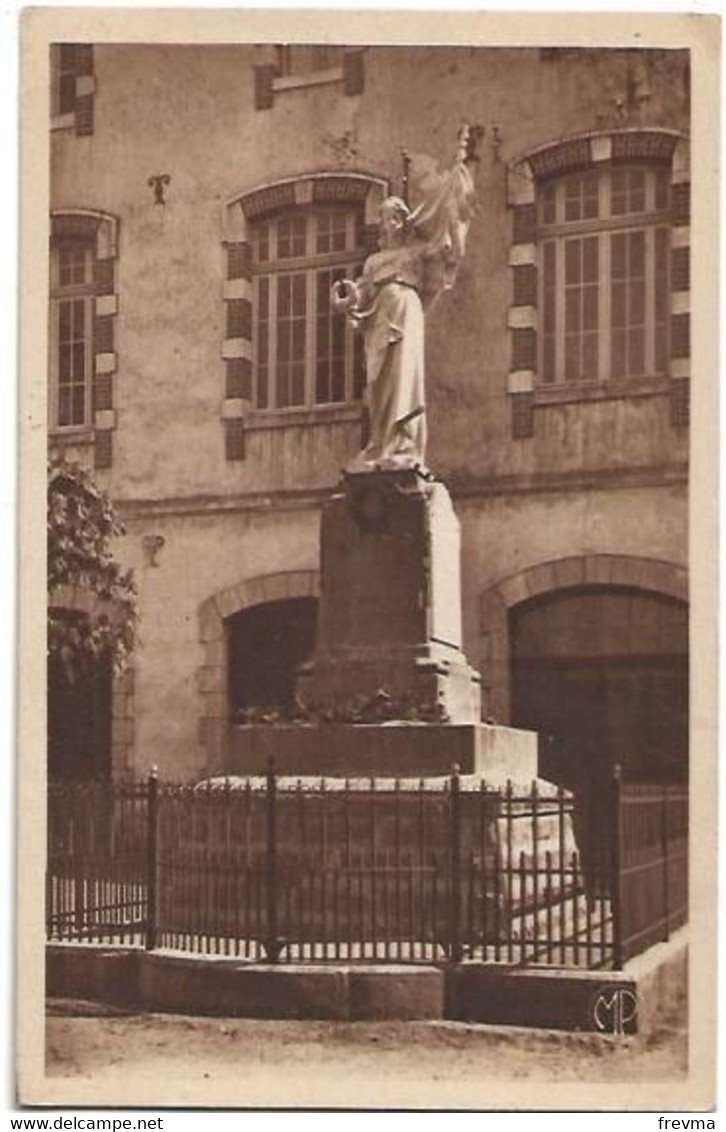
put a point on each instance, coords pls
(82, 525)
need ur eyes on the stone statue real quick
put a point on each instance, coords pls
(420, 250)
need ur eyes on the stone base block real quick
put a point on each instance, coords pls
(403, 992)
(429, 677)
(401, 750)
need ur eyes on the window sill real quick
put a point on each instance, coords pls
(82, 434)
(620, 389)
(312, 78)
(297, 418)
(63, 121)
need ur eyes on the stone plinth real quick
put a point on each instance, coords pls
(390, 603)
(389, 749)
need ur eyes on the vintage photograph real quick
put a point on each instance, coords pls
(367, 719)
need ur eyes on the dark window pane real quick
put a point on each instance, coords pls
(323, 337)
(637, 190)
(263, 243)
(590, 258)
(590, 357)
(322, 237)
(298, 294)
(283, 341)
(662, 189)
(64, 406)
(636, 345)
(322, 377)
(338, 391)
(283, 296)
(298, 385)
(661, 348)
(79, 398)
(298, 339)
(262, 387)
(572, 357)
(661, 271)
(572, 261)
(548, 358)
(79, 361)
(590, 208)
(618, 303)
(618, 256)
(617, 353)
(64, 322)
(263, 309)
(79, 318)
(573, 315)
(64, 362)
(637, 302)
(338, 344)
(637, 254)
(283, 387)
(590, 308)
(323, 283)
(547, 205)
(359, 369)
(548, 285)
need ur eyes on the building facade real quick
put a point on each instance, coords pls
(203, 199)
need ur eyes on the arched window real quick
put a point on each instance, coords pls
(600, 262)
(285, 352)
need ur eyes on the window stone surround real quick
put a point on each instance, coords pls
(212, 675)
(102, 230)
(494, 654)
(567, 155)
(237, 411)
(123, 701)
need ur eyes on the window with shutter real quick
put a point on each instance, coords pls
(72, 87)
(291, 67)
(71, 333)
(83, 308)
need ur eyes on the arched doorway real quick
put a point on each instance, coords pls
(79, 718)
(266, 644)
(601, 673)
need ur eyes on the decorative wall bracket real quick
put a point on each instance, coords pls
(151, 545)
(157, 181)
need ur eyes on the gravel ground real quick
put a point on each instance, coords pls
(281, 1062)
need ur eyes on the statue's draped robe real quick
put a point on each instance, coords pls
(396, 285)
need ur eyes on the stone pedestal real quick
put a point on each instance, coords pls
(388, 667)
(390, 606)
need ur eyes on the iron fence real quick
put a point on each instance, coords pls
(385, 870)
(652, 865)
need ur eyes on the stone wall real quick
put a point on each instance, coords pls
(582, 477)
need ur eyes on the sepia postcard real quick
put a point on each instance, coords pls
(368, 638)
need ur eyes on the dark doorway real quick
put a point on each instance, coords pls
(602, 675)
(267, 643)
(79, 720)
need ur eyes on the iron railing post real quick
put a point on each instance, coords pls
(455, 946)
(152, 814)
(664, 853)
(616, 834)
(271, 943)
